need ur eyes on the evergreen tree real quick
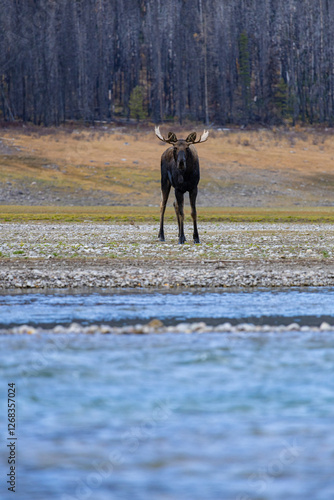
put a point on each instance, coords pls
(136, 104)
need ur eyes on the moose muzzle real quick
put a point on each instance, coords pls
(181, 160)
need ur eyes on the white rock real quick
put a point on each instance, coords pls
(245, 327)
(225, 327)
(293, 327)
(59, 329)
(74, 328)
(25, 329)
(325, 327)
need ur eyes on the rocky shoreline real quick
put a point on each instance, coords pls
(107, 274)
(86, 255)
(157, 327)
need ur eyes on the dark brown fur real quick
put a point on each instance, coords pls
(180, 170)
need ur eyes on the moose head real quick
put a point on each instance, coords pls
(181, 146)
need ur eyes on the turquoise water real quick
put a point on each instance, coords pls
(173, 416)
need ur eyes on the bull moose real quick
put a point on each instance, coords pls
(180, 169)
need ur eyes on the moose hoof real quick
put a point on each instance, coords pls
(182, 239)
(196, 241)
(161, 237)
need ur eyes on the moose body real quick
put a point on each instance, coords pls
(180, 170)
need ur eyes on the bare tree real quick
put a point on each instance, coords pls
(235, 61)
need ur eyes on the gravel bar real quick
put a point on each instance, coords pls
(51, 256)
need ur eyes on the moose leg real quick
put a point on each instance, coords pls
(178, 205)
(192, 199)
(164, 197)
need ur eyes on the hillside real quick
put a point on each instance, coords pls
(121, 166)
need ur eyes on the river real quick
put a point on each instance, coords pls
(171, 416)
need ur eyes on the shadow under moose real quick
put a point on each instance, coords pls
(180, 170)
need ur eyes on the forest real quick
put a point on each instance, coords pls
(212, 61)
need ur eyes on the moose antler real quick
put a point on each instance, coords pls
(192, 137)
(171, 136)
(172, 139)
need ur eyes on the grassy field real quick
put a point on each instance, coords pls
(256, 168)
(15, 213)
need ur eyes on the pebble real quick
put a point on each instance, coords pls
(174, 274)
(25, 329)
(293, 326)
(325, 327)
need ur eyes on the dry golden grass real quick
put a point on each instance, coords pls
(127, 163)
(293, 150)
(85, 159)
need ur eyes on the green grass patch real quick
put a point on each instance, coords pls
(132, 215)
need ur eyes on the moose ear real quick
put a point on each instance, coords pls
(191, 137)
(171, 137)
